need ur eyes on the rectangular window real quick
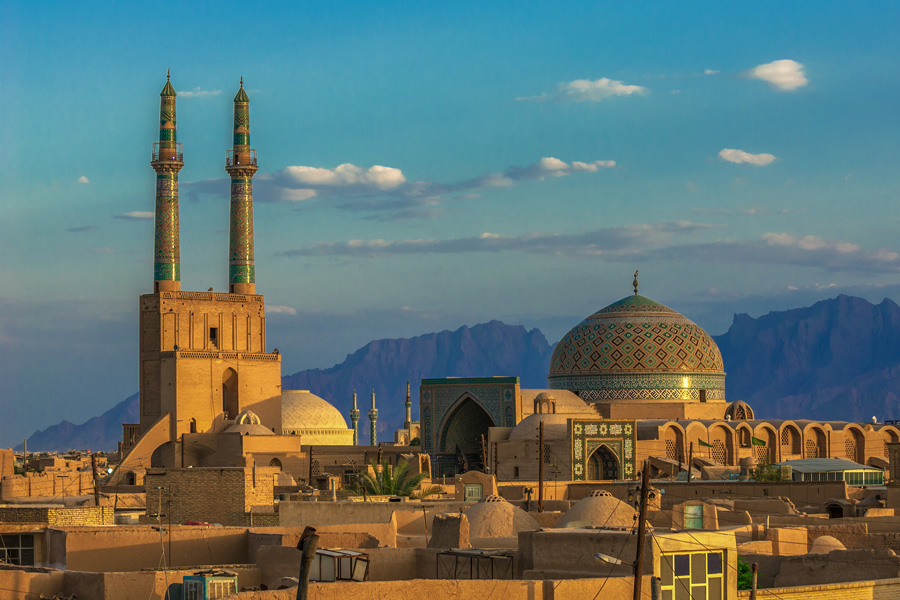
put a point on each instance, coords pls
(692, 575)
(17, 549)
(214, 337)
(693, 517)
(515, 472)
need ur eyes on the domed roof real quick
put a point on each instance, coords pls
(636, 334)
(301, 409)
(599, 510)
(247, 417)
(495, 517)
(739, 411)
(555, 427)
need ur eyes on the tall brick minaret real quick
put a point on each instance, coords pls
(354, 418)
(240, 164)
(167, 160)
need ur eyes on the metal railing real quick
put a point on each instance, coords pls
(167, 154)
(246, 158)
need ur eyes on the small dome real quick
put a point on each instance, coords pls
(556, 427)
(495, 517)
(248, 417)
(301, 409)
(739, 411)
(825, 544)
(600, 509)
(249, 429)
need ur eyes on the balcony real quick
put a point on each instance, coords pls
(246, 158)
(167, 154)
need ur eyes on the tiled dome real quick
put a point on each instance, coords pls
(302, 410)
(637, 343)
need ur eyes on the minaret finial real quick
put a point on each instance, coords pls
(242, 81)
(635, 283)
(168, 74)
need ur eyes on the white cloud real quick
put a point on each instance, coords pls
(198, 93)
(586, 90)
(136, 215)
(785, 75)
(284, 310)
(610, 242)
(385, 190)
(740, 157)
(83, 179)
(378, 176)
(710, 72)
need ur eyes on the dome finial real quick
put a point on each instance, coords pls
(635, 283)
(168, 74)
(242, 81)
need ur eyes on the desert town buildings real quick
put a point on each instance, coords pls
(530, 493)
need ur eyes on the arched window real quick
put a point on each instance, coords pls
(230, 403)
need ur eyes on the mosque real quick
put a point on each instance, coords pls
(632, 381)
(210, 392)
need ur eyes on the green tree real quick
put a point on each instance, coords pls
(389, 480)
(744, 575)
(766, 472)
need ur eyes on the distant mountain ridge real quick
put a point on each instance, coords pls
(836, 360)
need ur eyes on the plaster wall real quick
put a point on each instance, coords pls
(49, 484)
(883, 589)
(612, 589)
(134, 548)
(7, 462)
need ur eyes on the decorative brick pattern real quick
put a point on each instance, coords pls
(587, 436)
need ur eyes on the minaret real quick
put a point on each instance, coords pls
(373, 419)
(167, 160)
(407, 424)
(354, 418)
(240, 163)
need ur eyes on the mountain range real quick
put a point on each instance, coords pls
(836, 360)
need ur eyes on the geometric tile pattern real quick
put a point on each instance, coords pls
(240, 255)
(637, 348)
(167, 251)
(587, 436)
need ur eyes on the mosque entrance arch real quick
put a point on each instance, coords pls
(462, 431)
(603, 464)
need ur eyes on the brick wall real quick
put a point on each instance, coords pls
(213, 495)
(51, 484)
(57, 516)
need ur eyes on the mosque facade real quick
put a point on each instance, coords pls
(210, 391)
(636, 380)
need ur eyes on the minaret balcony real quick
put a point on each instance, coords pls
(167, 154)
(242, 158)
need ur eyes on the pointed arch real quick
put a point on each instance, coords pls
(463, 426)
(603, 464)
(230, 401)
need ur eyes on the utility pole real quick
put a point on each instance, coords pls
(496, 461)
(541, 469)
(307, 544)
(642, 516)
(96, 480)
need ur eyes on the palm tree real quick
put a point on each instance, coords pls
(393, 481)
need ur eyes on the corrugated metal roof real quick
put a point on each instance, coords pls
(819, 465)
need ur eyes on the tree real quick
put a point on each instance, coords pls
(392, 481)
(744, 575)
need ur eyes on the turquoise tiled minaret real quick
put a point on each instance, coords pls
(354, 418)
(240, 164)
(373, 420)
(167, 160)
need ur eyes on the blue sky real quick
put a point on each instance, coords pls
(426, 166)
